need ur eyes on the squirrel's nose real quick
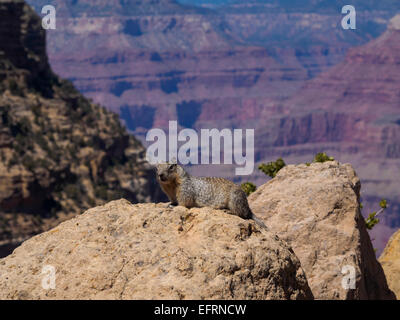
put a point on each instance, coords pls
(162, 177)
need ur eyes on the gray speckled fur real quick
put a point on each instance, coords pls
(189, 191)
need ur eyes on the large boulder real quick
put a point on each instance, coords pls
(151, 251)
(390, 260)
(316, 209)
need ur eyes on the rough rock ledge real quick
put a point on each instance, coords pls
(150, 251)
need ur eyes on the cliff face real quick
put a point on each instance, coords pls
(59, 152)
(22, 49)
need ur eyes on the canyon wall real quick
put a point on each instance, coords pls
(59, 152)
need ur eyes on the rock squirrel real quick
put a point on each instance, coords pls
(217, 193)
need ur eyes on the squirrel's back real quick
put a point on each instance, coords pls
(191, 191)
(218, 193)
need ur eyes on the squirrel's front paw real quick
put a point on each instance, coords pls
(172, 204)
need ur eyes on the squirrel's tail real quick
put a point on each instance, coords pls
(258, 221)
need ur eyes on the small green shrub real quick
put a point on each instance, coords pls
(272, 168)
(383, 204)
(372, 219)
(248, 187)
(322, 157)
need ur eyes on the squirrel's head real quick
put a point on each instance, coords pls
(169, 172)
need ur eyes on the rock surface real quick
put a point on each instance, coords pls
(316, 210)
(390, 261)
(150, 251)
